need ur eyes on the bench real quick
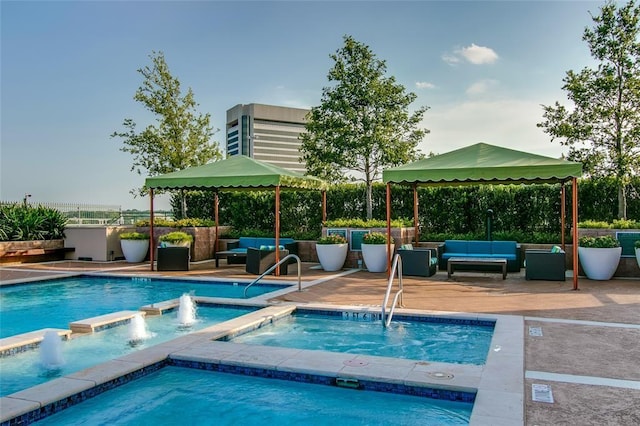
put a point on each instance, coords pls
(34, 255)
(509, 250)
(236, 252)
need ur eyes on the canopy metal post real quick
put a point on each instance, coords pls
(324, 206)
(152, 246)
(389, 254)
(574, 219)
(277, 271)
(562, 214)
(416, 228)
(215, 217)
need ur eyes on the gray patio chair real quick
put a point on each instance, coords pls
(259, 260)
(421, 262)
(546, 265)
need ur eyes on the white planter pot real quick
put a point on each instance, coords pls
(332, 256)
(134, 250)
(599, 263)
(375, 256)
(638, 256)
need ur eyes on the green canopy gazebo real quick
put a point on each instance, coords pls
(236, 173)
(484, 164)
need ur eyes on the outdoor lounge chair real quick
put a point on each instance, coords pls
(259, 260)
(545, 265)
(418, 262)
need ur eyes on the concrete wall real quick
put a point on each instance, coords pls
(98, 243)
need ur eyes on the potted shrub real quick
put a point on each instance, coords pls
(599, 256)
(332, 252)
(176, 238)
(637, 247)
(374, 251)
(135, 246)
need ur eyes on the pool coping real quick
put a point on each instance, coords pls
(498, 384)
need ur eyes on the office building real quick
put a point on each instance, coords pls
(267, 133)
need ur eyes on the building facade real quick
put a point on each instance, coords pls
(267, 133)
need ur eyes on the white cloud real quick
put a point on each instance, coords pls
(508, 123)
(424, 85)
(481, 87)
(450, 59)
(477, 55)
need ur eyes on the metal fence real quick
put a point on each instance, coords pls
(97, 214)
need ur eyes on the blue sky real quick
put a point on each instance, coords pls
(68, 74)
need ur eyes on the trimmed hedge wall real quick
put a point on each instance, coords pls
(522, 212)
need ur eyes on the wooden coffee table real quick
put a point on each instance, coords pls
(476, 261)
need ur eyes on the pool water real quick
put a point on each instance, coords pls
(231, 399)
(416, 340)
(56, 303)
(25, 369)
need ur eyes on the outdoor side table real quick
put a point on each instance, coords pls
(173, 258)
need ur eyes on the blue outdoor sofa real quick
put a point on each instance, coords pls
(262, 243)
(509, 250)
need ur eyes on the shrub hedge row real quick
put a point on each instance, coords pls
(521, 212)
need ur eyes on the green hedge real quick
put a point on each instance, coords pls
(528, 213)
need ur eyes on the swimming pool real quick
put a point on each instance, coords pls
(233, 399)
(418, 338)
(25, 369)
(499, 383)
(56, 303)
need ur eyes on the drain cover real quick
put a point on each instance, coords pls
(441, 375)
(535, 331)
(542, 393)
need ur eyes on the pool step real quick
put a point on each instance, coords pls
(26, 341)
(91, 325)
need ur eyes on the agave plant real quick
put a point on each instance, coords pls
(25, 223)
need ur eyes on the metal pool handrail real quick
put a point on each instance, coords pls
(287, 257)
(396, 267)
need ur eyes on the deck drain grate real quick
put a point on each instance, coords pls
(535, 331)
(440, 375)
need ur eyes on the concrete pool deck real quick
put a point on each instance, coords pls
(583, 344)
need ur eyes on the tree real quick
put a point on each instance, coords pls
(181, 136)
(603, 128)
(363, 122)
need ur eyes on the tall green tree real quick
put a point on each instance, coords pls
(603, 127)
(180, 137)
(363, 122)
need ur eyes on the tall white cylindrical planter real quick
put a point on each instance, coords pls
(375, 256)
(134, 251)
(332, 256)
(638, 256)
(599, 263)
